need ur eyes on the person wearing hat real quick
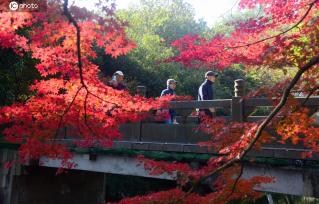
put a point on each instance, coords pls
(117, 81)
(205, 92)
(170, 90)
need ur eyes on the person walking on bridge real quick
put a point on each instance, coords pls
(170, 90)
(205, 92)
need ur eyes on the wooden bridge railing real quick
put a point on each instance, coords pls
(239, 109)
(152, 135)
(184, 137)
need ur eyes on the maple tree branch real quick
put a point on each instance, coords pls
(78, 45)
(229, 10)
(67, 110)
(311, 91)
(106, 101)
(85, 107)
(237, 179)
(263, 125)
(283, 100)
(309, 94)
(78, 39)
(78, 125)
(279, 34)
(86, 115)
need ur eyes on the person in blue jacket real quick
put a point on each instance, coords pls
(205, 92)
(170, 90)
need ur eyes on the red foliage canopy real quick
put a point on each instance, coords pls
(71, 95)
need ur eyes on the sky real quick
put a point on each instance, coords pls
(210, 10)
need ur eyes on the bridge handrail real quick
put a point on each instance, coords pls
(253, 102)
(200, 104)
(249, 102)
(241, 106)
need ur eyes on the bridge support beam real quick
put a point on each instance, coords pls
(113, 164)
(288, 180)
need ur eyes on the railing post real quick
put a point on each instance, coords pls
(240, 87)
(141, 91)
(238, 101)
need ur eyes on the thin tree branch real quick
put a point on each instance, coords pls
(80, 66)
(86, 115)
(237, 180)
(302, 104)
(279, 34)
(308, 96)
(85, 107)
(78, 39)
(262, 126)
(67, 110)
(78, 45)
(98, 97)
